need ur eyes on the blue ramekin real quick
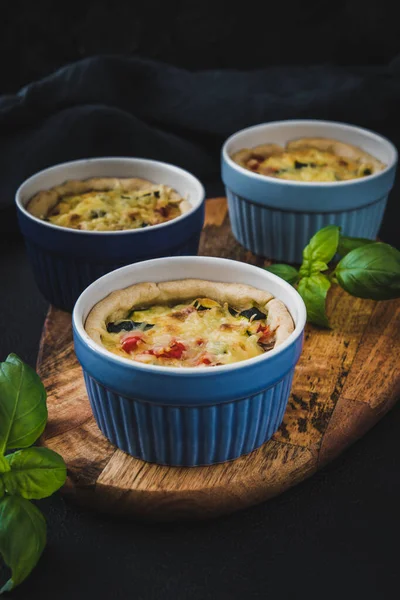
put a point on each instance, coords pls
(276, 218)
(188, 417)
(65, 261)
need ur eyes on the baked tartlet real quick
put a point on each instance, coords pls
(108, 204)
(189, 323)
(309, 159)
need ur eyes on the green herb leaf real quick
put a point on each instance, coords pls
(347, 244)
(286, 272)
(312, 268)
(35, 473)
(323, 245)
(314, 290)
(23, 411)
(4, 466)
(371, 271)
(2, 490)
(22, 538)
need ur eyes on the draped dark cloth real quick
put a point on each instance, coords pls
(118, 106)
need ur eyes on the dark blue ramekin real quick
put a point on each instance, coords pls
(65, 261)
(188, 416)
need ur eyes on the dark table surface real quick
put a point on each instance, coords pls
(335, 535)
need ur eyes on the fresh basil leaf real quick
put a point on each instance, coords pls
(286, 272)
(4, 466)
(34, 473)
(23, 411)
(347, 244)
(2, 490)
(323, 245)
(371, 271)
(22, 538)
(314, 290)
(309, 268)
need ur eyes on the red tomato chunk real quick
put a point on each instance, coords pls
(266, 333)
(130, 343)
(175, 350)
(205, 361)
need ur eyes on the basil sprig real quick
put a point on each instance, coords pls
(368, 269)
(371, 271)
(347, 244)
(286, 272)
(314, 289)
(28, 474)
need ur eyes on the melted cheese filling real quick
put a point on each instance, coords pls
(114, 210)
(197, 334)
(309, 164)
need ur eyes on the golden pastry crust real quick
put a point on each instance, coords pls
(116, 306)
(44, 201)
(339, 148)
(309, 159)
(118, 203)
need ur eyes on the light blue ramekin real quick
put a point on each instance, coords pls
(188, 416)
(65, 261)
(276, 218)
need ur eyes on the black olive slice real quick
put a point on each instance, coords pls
(233, 312)
(121, 326)
(299, 165)
(253, 313)
(367, 172)
(127, 326)
(200, 307)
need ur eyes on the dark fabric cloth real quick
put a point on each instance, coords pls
(110, 106)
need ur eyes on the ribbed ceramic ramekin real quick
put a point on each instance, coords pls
(188, 416)
(276, 218)
(65, 261)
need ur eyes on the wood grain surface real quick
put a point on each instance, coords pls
(346, 380)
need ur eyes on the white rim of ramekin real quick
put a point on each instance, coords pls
(186, 174)
(323, 184)
(77, 320)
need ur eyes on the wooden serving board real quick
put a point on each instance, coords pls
(346, 380)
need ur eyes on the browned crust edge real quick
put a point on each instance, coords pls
(42, 202)
(116, 304)
(342, 149)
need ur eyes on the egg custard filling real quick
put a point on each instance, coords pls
(107, 204)
(189, 323)
(309, 159)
